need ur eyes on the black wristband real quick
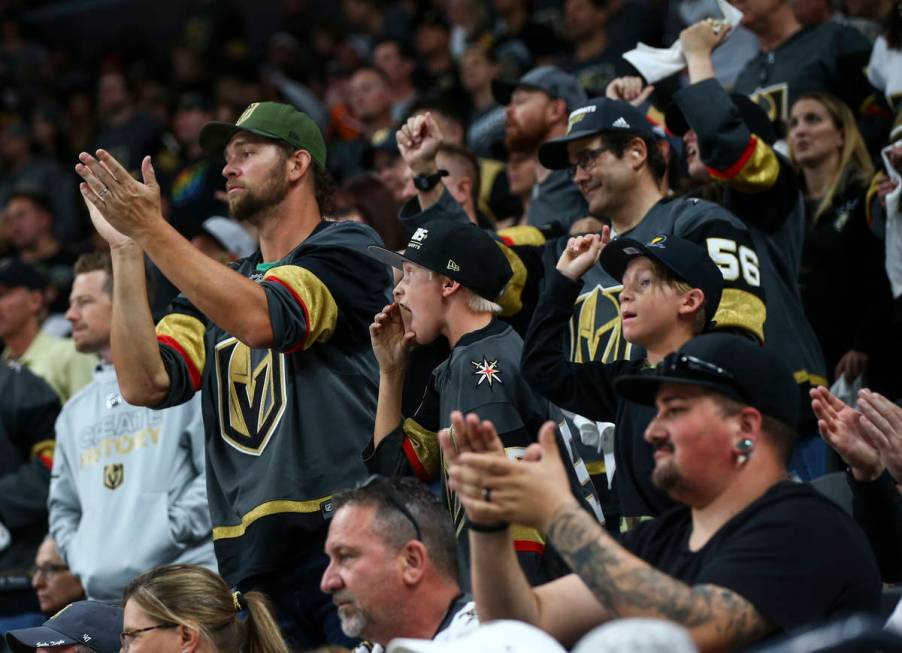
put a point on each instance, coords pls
(425, 183)
(488, 528)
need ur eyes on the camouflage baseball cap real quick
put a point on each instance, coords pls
(274, 120)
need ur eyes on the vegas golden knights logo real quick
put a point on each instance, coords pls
(774, 100)
(250, 388)
(595, 328)
(113, 475)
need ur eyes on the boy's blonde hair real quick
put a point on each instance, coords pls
(664, 276)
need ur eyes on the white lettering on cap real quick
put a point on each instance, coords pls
(621, 123)
(418, 237)
(578, 115)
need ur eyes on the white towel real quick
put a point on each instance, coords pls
(893, 227)
(656, 64)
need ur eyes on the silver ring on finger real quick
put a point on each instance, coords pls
(102, 194)
(716, 29)
(487, 494)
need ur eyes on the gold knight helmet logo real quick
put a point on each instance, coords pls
(250, 385)
(113, 475)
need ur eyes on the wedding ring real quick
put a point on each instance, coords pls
(716, 29)
(487, 494)
(102, 194)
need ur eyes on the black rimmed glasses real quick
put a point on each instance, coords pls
(47, 570)
(395, 499)
(586, 160)
(126, 636)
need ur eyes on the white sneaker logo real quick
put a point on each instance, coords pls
(453, 266)
(621, 123)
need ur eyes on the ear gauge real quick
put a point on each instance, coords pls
(744, 448)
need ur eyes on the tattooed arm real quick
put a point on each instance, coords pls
(609, 583)
(625, 586)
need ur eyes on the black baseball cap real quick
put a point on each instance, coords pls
(274, 120)
(750, 112)
(688, 261)
(15, 273)
(600, 116)
(549, 79)
(731, 366)
(460, 251)
(384, 140)
(89, 623)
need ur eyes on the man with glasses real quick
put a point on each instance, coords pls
(749, 554)
(55, 585)
(610, 151)
(393, 565)
(80, 627)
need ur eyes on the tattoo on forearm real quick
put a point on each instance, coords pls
(628, 587)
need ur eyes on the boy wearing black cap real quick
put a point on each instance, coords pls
(610, 151)
(743, 558)
(671, 291)
(452, 277)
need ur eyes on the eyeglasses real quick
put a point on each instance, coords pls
(47, 570)
(126, 636)
(586, 161)
(393, 498)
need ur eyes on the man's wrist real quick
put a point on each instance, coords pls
(866, 475)
(127, 248)
(427, 167)
(563, 508)
(393, 375)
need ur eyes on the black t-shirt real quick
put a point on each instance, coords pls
(793, 554)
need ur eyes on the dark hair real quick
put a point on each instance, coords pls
(618, 142)
(441, 105)
(781, 435)
(93, 261)
(482, 43)
(323, 190)
(405, 49)
(323, 183)
(451, 149)
(395, 528)
(36, 197)
(377, 71)
(893, 27)
(378, 208)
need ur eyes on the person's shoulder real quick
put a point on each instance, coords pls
(689, 212)
(831, 35)
(82, 397)
(798, 503)
(344, 235)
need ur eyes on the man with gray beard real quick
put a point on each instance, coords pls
(393, 565)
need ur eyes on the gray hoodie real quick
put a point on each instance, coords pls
(128, 489)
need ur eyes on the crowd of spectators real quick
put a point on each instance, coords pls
(580, 317)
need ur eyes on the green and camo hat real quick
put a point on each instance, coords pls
(274, 120)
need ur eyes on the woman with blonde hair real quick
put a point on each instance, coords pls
(843, 283)
(189, 609)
